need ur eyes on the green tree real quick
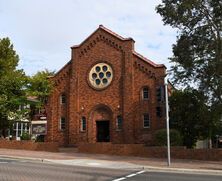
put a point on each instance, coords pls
(40, 85)
(12, 84)
(190, 116)
(197, 54)
(160, 137)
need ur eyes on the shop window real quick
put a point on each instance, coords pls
(146, 120)
(119, 122)
(83, 124)
(62, 123)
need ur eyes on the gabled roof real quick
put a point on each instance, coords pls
(101, 27)
(148, 61)
(60, 70)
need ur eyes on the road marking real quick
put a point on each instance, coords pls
(131, 175)
(142, 171)
(3, 162)
(128, 176)
(122, 178)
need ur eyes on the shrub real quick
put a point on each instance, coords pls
(25, 136)
(40, 138)
(160, 137)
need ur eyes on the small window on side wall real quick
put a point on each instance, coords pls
(145, 93)
(119, 122)
(146, 120)
(63, 99)
(83, 124)
(62, 124)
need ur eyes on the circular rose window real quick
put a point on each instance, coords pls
(100, 75)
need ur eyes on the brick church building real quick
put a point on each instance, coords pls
(107, 92)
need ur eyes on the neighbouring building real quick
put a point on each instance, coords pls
(107, 92)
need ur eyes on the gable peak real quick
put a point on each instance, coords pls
(103, 28)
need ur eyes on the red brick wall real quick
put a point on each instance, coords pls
(151, 152)
(56, 110)
(121, 97)
(29, 145)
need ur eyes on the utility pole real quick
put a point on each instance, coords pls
(167, 120)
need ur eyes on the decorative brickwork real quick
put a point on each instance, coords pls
(122, 97)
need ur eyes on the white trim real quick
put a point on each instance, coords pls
(39, 122)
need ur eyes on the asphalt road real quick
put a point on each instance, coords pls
(161, 176)
(22, 170)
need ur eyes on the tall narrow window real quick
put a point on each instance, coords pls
(63, 99)
(119, 122)
(146, 120)
(145, 93)
(159, 112)
(83, 124)
(160, 93)
(62, 124)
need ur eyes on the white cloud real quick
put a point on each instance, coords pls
(43, 31)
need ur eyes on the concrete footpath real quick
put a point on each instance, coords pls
(69, 156)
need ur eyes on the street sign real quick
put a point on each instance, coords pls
(39, 129)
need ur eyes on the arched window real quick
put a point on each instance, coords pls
(63, 99)
(145, 93)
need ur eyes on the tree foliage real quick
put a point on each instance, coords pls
(190, 116)
(160, 137)
(197, 54)
(40, 85)
(15, 87)
(12, 83)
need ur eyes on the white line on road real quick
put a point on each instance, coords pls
(122, 178)
(140, 172)
(131, 175)
(128, 176)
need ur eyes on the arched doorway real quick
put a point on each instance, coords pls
(101, 118)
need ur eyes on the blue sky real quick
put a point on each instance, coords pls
(43, 31)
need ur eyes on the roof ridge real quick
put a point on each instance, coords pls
(106, 30)
(60, 70)
(114, 34)
(147, 60)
